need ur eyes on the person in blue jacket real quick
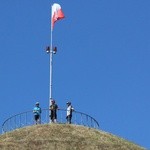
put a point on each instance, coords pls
(37, 113)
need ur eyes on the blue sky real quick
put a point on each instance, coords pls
(102, 64)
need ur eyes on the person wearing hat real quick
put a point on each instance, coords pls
(37, 113)
(70, 109)
(53, 109)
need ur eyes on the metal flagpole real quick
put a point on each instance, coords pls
(51, 62)
(51, 50)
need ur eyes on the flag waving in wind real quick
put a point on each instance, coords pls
(57, 13)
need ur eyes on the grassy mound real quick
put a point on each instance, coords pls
(63, 137)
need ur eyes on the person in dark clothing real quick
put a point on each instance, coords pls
(53, 109)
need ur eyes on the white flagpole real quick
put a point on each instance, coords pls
(51, 61)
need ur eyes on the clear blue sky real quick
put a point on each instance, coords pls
(102, 64)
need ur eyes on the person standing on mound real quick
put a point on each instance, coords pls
(70, 109)
(53, 109)
(37, 113)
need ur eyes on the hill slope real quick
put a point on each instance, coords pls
(63, 137)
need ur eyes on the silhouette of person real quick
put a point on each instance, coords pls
(53, 109)
(37, 113)
(70, 109)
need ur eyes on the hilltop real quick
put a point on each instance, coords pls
(63, 137)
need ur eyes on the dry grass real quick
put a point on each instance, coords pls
(63, 137)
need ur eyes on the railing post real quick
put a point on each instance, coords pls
(26, 119)
(81, 120)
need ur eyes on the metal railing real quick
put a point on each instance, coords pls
(27, 119)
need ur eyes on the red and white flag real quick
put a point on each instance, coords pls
(57, 13)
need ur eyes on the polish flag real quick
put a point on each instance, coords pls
(57, 13)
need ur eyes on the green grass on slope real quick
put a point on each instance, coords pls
(63, 137)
